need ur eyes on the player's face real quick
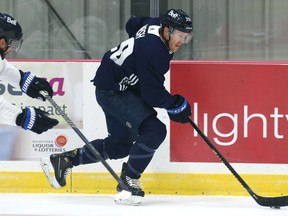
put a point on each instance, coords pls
(8, 46)
(14, 45)
(177, 38)
(3, 47)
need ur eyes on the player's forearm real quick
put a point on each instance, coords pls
(8, 112)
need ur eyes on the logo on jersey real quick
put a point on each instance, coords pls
(126, 81)
(141, 32)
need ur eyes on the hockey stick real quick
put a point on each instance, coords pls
(85, 140)
(273, 202)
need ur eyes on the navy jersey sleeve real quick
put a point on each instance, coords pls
(136, 22)
(153, 61)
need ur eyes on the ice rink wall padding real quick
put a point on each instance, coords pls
(241, 106)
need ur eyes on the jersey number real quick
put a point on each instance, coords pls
(122, 51)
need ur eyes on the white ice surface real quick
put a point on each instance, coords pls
(103, 205)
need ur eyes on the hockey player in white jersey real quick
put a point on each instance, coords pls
(28, 118)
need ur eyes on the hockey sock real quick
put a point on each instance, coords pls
(84, 156)
(140, 157)
(152, 133)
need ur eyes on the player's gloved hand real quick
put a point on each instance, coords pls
(180, 110)
(32, 85)
(36, 120)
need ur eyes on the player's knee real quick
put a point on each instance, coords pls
(160, 133)
(152, 132)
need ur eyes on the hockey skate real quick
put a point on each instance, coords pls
(124, 197)
(62, 165)
(45, 164)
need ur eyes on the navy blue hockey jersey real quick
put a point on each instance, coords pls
(138, 63)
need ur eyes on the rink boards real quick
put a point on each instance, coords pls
(241, 106)
(154, 183)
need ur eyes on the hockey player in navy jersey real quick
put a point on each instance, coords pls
(129, 85)
(29, 118)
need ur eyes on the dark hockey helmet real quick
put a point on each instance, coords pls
(11, 31)
(177, 19)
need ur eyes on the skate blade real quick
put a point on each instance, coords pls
(51, 179)
(126, 198)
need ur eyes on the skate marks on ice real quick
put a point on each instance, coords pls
(103, 205)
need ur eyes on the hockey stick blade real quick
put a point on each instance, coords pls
(85, 140)
(263, 201)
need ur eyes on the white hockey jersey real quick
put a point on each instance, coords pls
(10, 74)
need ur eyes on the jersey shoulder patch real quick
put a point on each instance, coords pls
(146, 30)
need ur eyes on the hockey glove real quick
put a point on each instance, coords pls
(180, 110)
(32, 85)
(35, 120)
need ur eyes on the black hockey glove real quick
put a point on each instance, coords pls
(180, 110)
(35, 120)
(32, 85)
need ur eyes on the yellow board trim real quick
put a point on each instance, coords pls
(155, 183)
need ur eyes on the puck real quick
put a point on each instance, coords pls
(275, 207)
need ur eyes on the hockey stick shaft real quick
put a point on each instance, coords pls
(85, 140)
(221, 157)
(263, 201)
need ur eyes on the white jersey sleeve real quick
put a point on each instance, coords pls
(9, 112)
(9, 73)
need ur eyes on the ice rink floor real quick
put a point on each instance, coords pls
(103, 205)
